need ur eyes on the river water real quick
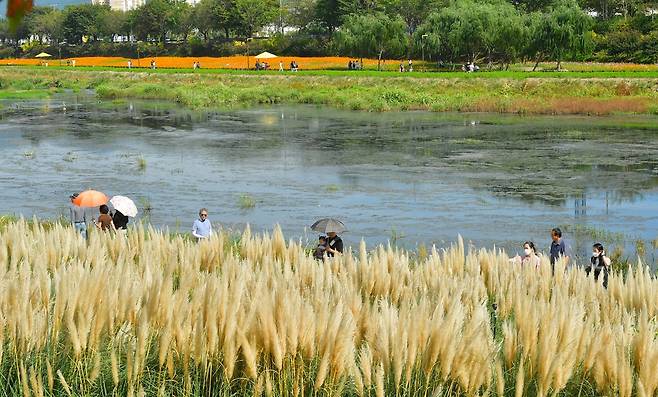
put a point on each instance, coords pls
(401, 177)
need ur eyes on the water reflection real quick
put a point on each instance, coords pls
(403, 176)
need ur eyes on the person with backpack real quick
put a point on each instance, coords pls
(599, 262)
(78, 217)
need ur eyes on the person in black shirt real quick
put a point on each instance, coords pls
(120, 220)
(334, 244)
(599, 262)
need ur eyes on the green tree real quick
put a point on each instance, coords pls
(349, 7)
(413, 12)
(532, 5)
(184, 19)
(372, 35)
(103, 22)
(84, 20)
(563, 30)
(226, 16)
(328, 14)
(333, 13)
(45, 23)
(204, 19)
(118, 23)
(461, 31)
(466, 31)
(254, 14)
(214, 16)
(508, 34)
(155, 19)
(302, 13)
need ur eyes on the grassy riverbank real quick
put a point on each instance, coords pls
(507, 93)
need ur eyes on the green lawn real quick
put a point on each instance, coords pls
(495, 74)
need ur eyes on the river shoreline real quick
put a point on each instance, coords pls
(552, 96)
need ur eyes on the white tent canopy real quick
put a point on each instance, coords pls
(265, 55)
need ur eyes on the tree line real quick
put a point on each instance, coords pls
(448, 32)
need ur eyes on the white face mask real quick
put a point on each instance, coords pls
(594, 253)
(527, 251)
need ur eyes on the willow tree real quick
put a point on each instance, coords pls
(372, 35)
(564, 29)
(469, 30)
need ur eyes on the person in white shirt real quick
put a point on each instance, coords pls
(202, 227)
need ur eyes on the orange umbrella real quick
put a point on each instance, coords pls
(90, 198)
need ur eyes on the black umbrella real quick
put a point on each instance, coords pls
(328, 225)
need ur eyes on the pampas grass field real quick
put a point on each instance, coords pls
(158, 315)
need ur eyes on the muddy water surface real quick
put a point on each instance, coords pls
(400, 177)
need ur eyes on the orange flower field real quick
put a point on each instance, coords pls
(305, 63)
(233, 62)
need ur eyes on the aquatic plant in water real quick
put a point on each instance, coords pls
(141, 163)
(246, 201)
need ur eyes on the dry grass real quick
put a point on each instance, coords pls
(151, 314)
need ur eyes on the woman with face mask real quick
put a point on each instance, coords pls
(599, 262)
(529, 257)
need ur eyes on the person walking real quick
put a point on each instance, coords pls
(78, 217)
(130, 64)
(559, 248)
(599, 262)
(202, 227)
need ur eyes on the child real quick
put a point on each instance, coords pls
(104, 222)
(322, 246)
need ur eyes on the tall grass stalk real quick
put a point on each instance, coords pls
(158, 314)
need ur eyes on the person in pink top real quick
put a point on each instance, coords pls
(529, 257)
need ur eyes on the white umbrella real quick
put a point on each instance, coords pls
(265, 55)
(124, 205)
(43, 55)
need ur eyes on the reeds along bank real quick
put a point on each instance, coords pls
(151, 314)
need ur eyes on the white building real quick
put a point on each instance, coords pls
(120, 5)
(127, 5)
